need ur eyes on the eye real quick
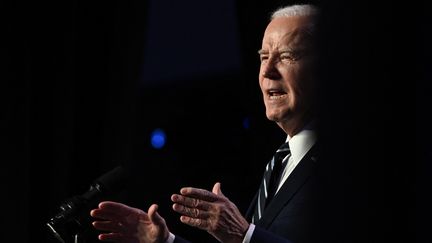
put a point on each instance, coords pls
(264, 57)
(287, 56)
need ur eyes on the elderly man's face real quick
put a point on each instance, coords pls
(286, 72)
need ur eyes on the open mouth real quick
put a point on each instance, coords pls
(276, 94)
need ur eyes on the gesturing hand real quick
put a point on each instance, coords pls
(211, 211)
(129, 225)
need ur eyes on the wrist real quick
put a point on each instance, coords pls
(165, 235)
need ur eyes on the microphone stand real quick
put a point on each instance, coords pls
(78, 238)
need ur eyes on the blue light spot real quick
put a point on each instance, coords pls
(246, 123)
(158, 138)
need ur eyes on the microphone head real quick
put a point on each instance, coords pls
(114, 180)
(74, 216)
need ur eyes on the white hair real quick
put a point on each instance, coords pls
(298, 10)
(295, 10)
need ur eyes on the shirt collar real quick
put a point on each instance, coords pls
(301, 143)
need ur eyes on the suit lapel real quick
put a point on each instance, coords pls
(293, 183)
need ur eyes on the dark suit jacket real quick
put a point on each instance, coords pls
(292, 215)
(295, 215)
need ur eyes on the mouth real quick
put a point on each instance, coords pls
(275, 94)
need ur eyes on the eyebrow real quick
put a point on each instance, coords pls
(261, 51)
(283, 50)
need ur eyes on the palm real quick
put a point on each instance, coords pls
(125, 224)
(147, 231)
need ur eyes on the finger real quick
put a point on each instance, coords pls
(199, 223)
(110, 237)
(217, 189)
(106, 215)
(110, 226)
(115, 211)
(118, 208)
(191, 202)
(115, 237)
(190, 212)
(154, 215)
(199, 194)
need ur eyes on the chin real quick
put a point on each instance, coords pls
(279, 115)
(273, 117)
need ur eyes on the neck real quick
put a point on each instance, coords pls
(294, 126)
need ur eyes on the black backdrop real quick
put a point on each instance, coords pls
(74, 106)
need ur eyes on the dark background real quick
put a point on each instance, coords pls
(84, 84)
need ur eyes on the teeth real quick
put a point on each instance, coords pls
(276, 97)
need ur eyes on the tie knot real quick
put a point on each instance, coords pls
(284, 148)
(281, 153)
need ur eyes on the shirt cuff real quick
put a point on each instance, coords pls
(249, 233)
(171, 238)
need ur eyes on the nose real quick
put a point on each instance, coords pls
(269, 69)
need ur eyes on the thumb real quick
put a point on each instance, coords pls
(217, 189)
(154, 216)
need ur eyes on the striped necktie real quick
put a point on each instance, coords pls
(271, 180)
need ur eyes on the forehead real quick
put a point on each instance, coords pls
(286, 31)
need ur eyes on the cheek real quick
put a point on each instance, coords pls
(260, 76)
(295, 80)
(260, 81)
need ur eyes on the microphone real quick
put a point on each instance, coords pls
(74, 215)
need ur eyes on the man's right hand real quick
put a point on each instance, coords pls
(125, 224)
